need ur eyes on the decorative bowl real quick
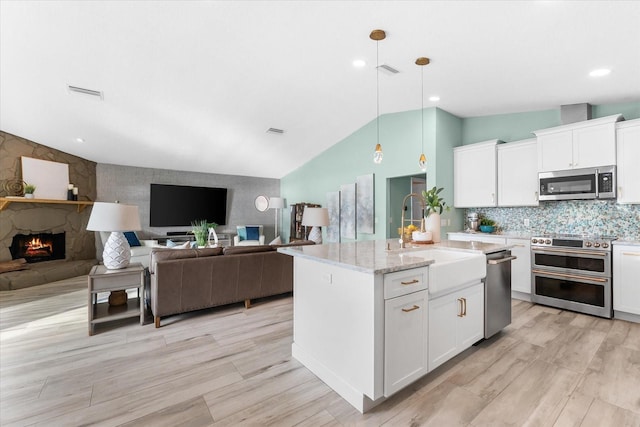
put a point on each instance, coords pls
(421, 236)
(487, 228)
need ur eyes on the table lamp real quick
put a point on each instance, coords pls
(116, 218)
(315, 218)
(276, 203)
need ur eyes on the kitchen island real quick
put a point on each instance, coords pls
(371, 317)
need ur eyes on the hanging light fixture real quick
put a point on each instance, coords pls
(422, 162)
(377, 35)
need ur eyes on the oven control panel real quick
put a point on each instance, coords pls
(564, 242)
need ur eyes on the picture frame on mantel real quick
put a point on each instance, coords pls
(51, 179)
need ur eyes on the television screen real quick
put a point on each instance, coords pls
(178, 205)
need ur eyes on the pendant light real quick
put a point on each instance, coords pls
(377, 35)
(422, 162)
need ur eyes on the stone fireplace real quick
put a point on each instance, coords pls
(38, 247)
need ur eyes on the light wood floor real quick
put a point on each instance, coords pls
(233, 366)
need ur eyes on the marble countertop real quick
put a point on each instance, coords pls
(625, 241)
(382, 256)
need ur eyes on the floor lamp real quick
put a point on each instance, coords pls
(276, 203)
(316, 218)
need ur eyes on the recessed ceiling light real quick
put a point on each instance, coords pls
(79, 140)
(600, 72)
(434, 98)
(359, 63)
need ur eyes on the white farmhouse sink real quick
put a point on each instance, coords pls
(452, 268)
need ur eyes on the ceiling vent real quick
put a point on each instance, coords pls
(275, 130)
(84, 91)
(387, 69)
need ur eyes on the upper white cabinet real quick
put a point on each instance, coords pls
(585, 144)
(626, 270)
(518, 173)
(628, 154)
(475, 175)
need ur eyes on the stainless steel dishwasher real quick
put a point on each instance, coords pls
(497, 292)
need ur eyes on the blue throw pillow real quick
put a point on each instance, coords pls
(132, 238)
(242, 233)
(170, 243)
(253, 233)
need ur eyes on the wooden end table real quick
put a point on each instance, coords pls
(101, 279)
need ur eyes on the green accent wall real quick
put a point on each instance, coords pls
(400, 136)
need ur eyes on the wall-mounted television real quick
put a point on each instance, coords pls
(179, 205)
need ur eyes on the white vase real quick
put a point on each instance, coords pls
(28, 196)
(432, 224)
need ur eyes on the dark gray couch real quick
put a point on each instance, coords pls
(184, 280)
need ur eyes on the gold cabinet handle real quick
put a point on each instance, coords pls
(464, 303)
(415, 307)
(460, 312)
(410, 283)
(631, 253)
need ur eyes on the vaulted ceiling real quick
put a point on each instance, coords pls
(194, 85)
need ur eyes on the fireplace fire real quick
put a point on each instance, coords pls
(38, 247)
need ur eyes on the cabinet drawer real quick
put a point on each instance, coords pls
(404, 282)
(106, 283)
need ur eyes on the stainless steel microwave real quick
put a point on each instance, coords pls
(588, 183)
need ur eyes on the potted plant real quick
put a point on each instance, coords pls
(29, 189)
(434, 206)
(487, 225)
(200, 229)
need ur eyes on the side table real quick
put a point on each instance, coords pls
(101, 279)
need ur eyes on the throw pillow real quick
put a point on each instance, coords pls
(185, 245)
(242, 233)
(253, 233)
(132, 238)
(276, 241)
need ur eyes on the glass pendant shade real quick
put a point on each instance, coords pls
(423, 162)
(377, 155)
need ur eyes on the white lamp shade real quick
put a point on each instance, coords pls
(114, 217)
(315, 217)
(276, 203)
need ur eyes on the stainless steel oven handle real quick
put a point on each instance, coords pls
(565, 251)
(571, 276)
(501, 260)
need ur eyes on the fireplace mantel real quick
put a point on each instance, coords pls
(81, 204)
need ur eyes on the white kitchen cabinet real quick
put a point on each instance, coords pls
(475, 175)
(405, 343)
(584, 144)
(520, 267)
(628, 156)
(626, 279)
(518, 173)
(456, 321)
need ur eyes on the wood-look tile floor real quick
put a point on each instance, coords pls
(231, 366)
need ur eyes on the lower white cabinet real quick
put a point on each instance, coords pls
(456, 321)
(626, 282)
(521, 266)
(405, 345)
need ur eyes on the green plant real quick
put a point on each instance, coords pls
(487, 221)
(433, 202)
(200, 229)
(29, 188)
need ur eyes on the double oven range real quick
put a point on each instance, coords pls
(572, 272)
